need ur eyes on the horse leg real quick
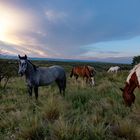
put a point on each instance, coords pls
(76, 77)
(87, 79)
(71, 74)
(64, 85)
(30, 91)
(59, 86)
(92, 81)
(60, 90)
(36, 92)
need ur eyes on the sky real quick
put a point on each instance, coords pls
(71, 29)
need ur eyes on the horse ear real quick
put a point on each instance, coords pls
(18, 56)
(25, 56)
(122, 89)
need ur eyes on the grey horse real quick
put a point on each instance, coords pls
(41, 76)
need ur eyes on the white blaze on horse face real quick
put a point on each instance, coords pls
(137, 70)
(22, 67)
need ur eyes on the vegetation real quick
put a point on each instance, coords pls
(136, 60)
(8, 69)
(85, 113)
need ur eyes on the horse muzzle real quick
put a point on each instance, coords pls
(20, 74)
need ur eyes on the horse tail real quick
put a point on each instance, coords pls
(64, 81)
(71, 74)
(64, 84)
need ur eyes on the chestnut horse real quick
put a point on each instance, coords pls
(85, 72)
(133, 81)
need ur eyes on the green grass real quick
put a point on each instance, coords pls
(85, 113)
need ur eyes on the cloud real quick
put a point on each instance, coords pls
(54, 16)
(125, 60)
(64, 29)
(27, 44)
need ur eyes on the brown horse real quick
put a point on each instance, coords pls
(133, 81)
(84, 72)
(92, 70)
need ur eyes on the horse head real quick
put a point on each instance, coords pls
(22, 64)
(131, 84)
(128, 96)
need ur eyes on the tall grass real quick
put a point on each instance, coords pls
(84, 113)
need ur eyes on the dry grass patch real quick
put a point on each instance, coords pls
(7, 108)
(54, 106)
(125, 128)
(103, 86)
(32, 130)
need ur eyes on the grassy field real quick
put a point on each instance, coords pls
(85, 113)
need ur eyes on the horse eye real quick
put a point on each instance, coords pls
(22, 64)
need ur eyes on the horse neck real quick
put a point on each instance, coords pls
(129, 88)
(131, 84)
(30, 70)
(87, 71)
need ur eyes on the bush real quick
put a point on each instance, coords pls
(8, 69)
(136, 60)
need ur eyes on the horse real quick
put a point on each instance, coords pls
(132, 81)
(41, 76)
(85, 72)
(114, 69)
(93, 73)
(92, 70)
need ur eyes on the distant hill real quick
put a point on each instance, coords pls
(121, 60)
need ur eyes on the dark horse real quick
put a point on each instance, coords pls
(41, 76)
(83, 71)
(133, 81)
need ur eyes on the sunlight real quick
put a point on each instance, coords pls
(12, 22)
(5, 26)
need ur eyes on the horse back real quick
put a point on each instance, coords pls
(47, 75)
(81, 71)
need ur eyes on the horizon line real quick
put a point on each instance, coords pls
(99, 60)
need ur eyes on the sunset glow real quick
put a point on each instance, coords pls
(88, 30)
(12, 22)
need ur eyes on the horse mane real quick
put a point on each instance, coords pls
(86, 67)
(136, 70)
(34, 66)
(92, 68)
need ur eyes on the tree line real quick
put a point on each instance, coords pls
(8, 69)
(136, 60)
